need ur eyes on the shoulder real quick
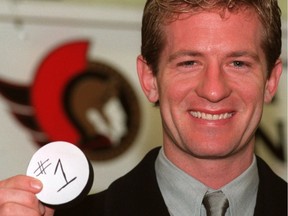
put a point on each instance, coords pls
(128, 195)
(267, 176)
(272, 192)
(90, 205)
(132, 193)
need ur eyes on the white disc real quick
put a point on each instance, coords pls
(64, 172)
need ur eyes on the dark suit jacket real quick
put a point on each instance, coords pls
(137, 194)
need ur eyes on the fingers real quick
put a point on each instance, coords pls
(49, 211)
(17, 197)
(12, 209)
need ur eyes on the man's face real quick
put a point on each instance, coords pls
(212, 83)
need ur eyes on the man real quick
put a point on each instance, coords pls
(209, 65)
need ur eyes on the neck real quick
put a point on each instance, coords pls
(214, 173)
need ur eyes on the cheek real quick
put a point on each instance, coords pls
(175, 91)
(171, 102)
(252, 97)
(249, 88)
(255, 92)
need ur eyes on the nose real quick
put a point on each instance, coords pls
(213, 85)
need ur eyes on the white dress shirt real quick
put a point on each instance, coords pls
(183, 194)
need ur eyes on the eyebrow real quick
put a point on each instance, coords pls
(182, 53)
(235, 54)
(244, 53)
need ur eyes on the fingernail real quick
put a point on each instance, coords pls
(36, 184)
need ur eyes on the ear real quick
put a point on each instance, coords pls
(147, 80)
(273, 81)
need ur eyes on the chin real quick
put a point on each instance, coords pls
(211, 153)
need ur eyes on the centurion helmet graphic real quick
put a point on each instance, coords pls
(71, 98)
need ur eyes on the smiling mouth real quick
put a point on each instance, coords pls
(211, 117)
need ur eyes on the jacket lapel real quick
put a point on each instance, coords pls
(138, 193)
(272, 192)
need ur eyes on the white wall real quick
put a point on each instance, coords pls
(115, 38)
(28, 30)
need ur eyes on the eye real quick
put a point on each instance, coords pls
(186, 64)
(239, 64)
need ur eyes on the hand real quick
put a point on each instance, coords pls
(17, 197)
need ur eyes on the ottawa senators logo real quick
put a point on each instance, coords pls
(87, 103)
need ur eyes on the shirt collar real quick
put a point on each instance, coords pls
(183, 194)
(242, 191)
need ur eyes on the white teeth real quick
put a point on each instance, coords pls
(211, 117)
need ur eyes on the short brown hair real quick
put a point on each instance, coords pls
(158, 12)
